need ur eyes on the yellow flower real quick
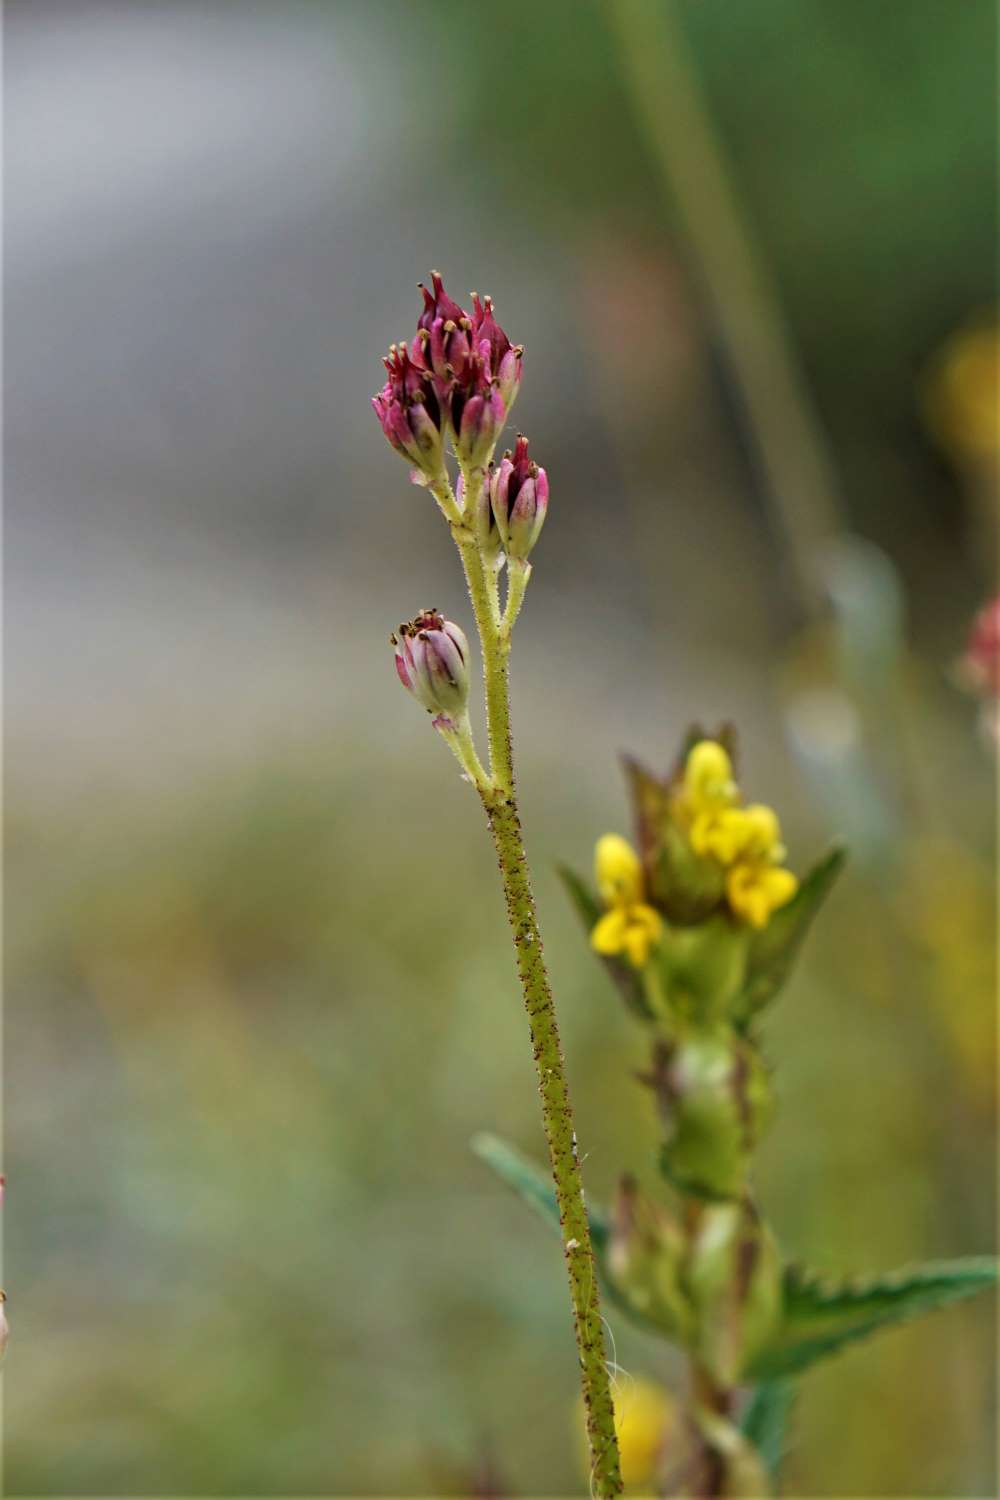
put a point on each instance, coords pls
(708, 778)
(617, 870)
(634, 930)
(630, 926)
(758, 889)
(720, 833)
(647, 1424)
(730, 834)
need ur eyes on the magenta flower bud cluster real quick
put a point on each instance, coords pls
(459, 379)
(519, 495)
(432, 660)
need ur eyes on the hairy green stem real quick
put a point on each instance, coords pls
(557, 1116)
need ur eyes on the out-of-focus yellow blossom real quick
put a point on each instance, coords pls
(746, 841)
(710, 794)
(617, 870)
(962, 392)
(708, 778)
(761, 835)
(630, 926)
(756, 890)
(647, 1419)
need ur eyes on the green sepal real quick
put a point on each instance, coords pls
(646, 1263)
(590, 911)
(822, 1316)
(703, 967)
(715, 1102)
(765, 1422)
(773, 951)
(734, 1280)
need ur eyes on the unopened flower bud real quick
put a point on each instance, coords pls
(432, 656)
(504, 357)
(519, 492)
(410, 413)
(480, 424)
(646, 1258)
(734, 1279)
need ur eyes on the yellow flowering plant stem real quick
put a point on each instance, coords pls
(498, 797)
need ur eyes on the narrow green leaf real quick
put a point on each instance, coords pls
(823, 1316)
(533, 1184)
(765, 1422)
(773, 951)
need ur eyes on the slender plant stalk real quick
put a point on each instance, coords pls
(498, 797)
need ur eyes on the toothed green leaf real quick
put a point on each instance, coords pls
(822, 1316)
(773, 950)
(765, 1422)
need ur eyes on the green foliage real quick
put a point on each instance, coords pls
(821, 1317)
(765, 1422)
(773, 950)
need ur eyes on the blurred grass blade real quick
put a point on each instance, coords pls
(821, 1317)
(533, 1184)
(765, 1422)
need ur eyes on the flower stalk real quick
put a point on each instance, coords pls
(456, 387)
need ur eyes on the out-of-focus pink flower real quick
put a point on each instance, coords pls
(980, 665)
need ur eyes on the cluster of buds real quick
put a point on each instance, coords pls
(452, 387)
(457, 381)
(432, 661)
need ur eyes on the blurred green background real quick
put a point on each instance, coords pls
(259, 988)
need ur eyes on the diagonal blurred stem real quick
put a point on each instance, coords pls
(498, 797)
(799, 482)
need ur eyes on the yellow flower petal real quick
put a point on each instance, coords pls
(645, 927)
(608, 937)
(708, 777)
(762, 833)
(721, 834)
(617, 870)
(781, 886)
(757, 890)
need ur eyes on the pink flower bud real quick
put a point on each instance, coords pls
(432, 656)
(482, 417)
(980, 666)
(410, 413)
(437, 304)
(519, 492)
